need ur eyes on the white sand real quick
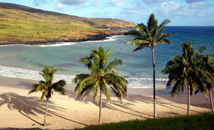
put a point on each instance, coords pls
(20, 110)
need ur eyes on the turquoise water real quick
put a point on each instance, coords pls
(25, 61)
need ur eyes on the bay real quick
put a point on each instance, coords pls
(25, 61)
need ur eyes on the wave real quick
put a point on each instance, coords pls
(34, 75)
(146, 82)
(29, 74)
(112, 38)
(57, 44)
(34, 63)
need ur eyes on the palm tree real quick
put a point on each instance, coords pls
(102, 75)
(206, 65)
(150, 36)
(185, 72)
(47, 86)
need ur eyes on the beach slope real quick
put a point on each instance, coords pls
(20, 110)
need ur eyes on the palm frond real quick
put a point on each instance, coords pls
(44, 93)
(97, 80)
(96, 89)
(139, 48)
(152, 23)
(112, 79)
(80, 77)
(143, 29)
(161, 27)
(189, 70)
(134, 32)
(84, 83)
(85, 92)
(108, 53)
(46, 85)
(176, 88)
(33, 88)
(59, 86)
(110, 66)
(105, 90)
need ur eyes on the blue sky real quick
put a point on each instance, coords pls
(180, 12)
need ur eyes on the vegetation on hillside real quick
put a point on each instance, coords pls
(21, 24)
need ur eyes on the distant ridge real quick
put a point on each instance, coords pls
(95, 22)
(25, 25)
(28, 9)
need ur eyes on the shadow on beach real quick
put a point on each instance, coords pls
(172, 103)
(195, 100)
(27, 106)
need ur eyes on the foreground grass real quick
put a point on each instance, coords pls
(200, 122)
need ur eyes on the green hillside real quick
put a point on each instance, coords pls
(21, 24)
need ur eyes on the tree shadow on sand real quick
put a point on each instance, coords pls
(196, 100)
(116, 106)
(30, 106)
(127, 107)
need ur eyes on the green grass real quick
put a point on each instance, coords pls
(195, 122)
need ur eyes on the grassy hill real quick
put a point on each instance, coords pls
(21, 24)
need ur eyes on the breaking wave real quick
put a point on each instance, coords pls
(34, 75)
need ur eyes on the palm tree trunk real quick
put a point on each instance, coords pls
(100, 109)
(211, 100)
(188, 101)
(154, 91)
(46, 108)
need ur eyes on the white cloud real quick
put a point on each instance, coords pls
(117, 3)
(168, 7)
(173, 9)
(132, 10)
(79, 2)
(39, 2)
(96, 3)
(74, 2)
(60, 7)
(194, 1)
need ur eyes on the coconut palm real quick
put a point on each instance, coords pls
(206, 65)
(47, 86)
(150, 36)
(102, 75)
(185, 72)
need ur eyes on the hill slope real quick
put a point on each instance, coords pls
(21, 24)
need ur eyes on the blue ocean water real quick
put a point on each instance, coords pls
(25, 61)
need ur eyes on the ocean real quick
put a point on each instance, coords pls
(26, 61)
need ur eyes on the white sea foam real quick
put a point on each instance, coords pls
(146, 82)
(29, 74)
(34, 75)
(112, 38)
(73, 43)
(59, 44)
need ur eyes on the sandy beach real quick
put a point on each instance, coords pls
(20, 110)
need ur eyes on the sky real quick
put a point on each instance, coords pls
(180, 12)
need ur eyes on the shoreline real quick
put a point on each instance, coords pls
(52, 42)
